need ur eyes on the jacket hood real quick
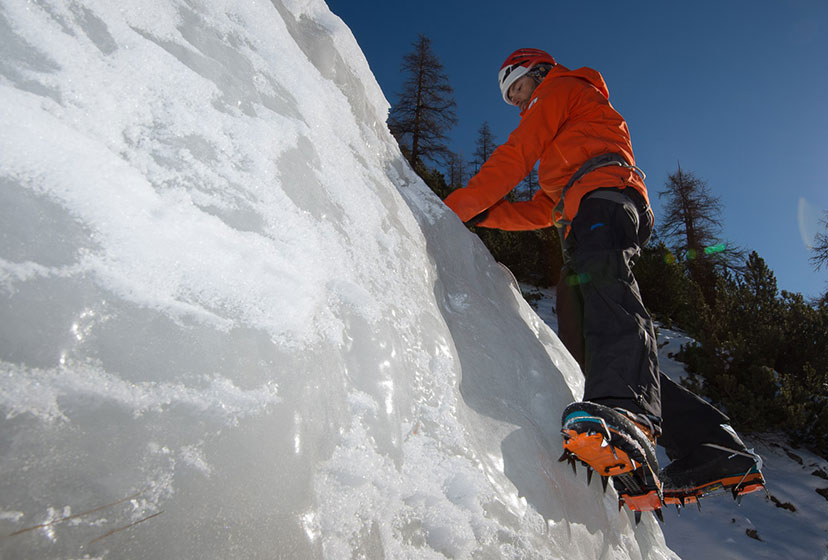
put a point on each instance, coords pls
(588, 74)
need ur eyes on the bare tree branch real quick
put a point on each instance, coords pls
(819, 258)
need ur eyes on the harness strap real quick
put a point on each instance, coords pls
(597, 162)
(613, 196)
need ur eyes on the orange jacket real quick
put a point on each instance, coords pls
(568, 121)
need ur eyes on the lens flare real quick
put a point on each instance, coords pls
(578, 279)
(718, 248)
(692, 254)
(808, 218)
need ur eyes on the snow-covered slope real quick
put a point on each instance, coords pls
(790, 521)
(236, 325)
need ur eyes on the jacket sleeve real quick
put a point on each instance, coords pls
(510, 162)
(519, 216)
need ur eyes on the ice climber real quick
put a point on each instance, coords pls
(592, 191)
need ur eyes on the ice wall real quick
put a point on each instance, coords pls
(234, 324)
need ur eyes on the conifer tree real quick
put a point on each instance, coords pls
(528, 187)
(484, 145)
(692, 225)
(692, 216)
(819, 258)
(426, 109)
(759, 313)
(457, 173)
(670, 295)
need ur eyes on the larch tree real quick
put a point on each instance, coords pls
(426, 108)
(529, 186)
(692, 226)
(819, 250)
(457, 171)
(484, 146)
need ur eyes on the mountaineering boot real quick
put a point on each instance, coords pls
(610, 441)
(618, 443)
(712, 469)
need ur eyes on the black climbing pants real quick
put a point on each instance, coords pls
(619, 346)
(603, 322)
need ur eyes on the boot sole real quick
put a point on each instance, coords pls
(737, 486)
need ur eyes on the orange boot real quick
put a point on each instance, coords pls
(615, 442)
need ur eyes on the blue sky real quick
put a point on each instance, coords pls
(734, 90)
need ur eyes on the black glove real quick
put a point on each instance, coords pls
(477, 219)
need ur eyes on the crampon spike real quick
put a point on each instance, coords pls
(659, 515)
(564, 456)
(589, 475)
(604, 482)
(637, 517)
